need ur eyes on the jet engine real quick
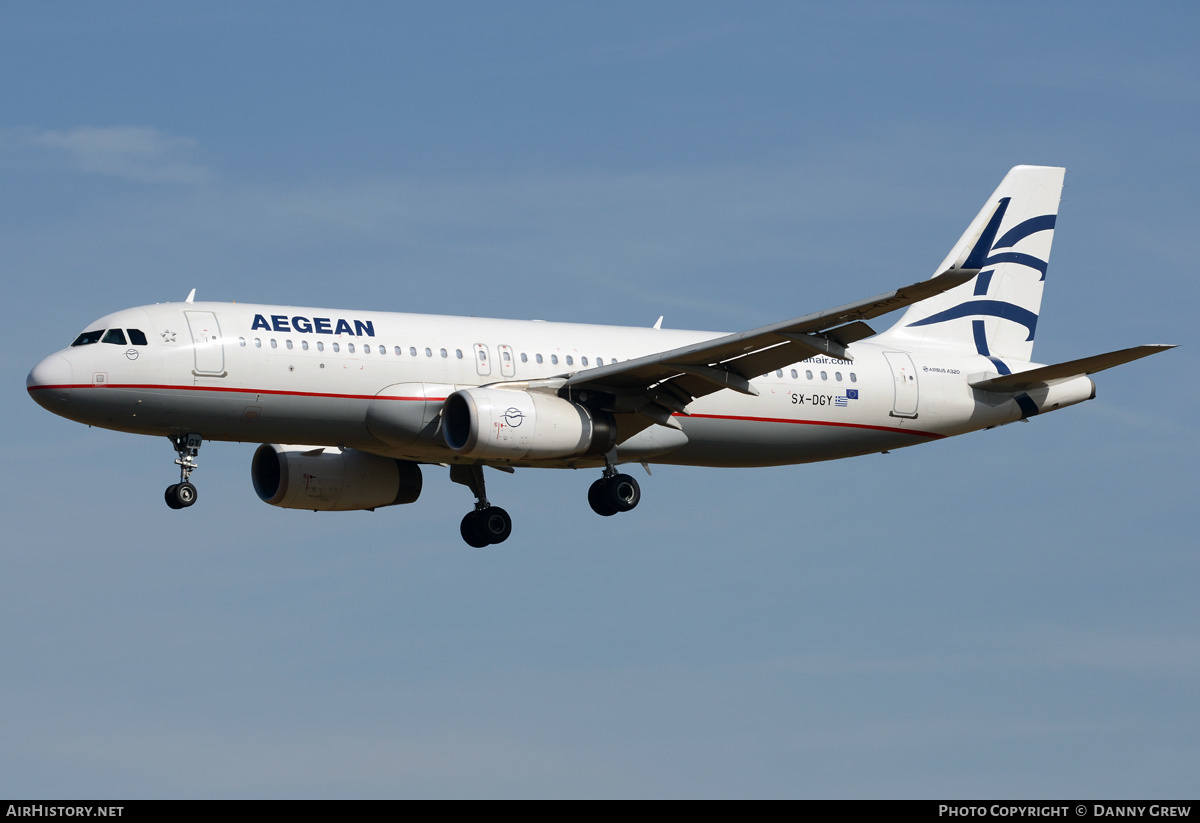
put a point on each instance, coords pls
(323, 478)
(503, 424)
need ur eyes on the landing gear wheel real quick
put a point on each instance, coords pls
(622, 492)
(470, 531)
(494, 524)
(180, 495)
(485, 527)
(186, 494)
(598, 499)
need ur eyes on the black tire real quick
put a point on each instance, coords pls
(470, 531)
(494, 524)
(169, 496)
(186, 494)
(622, 492)
(598, 500)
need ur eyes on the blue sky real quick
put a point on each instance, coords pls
(1007, 614)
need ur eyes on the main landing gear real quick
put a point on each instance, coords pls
(488, 524)
(614, 492)
(183, 494)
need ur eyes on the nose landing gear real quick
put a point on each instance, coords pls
(183, 494)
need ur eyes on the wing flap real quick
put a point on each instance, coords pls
(850, 333)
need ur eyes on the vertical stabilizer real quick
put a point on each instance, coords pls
(996, 313)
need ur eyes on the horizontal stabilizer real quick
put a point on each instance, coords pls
(1046, 375)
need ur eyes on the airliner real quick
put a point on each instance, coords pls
(348, 406)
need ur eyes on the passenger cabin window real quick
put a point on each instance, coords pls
(397, 351)
(412, 351)
(242, 342)
(583, 361)
(570, 360)
(88, 338)
(554, 359)
(114, 336)
(538, 358)
(808, 374)
(320, 345)
(288, 343)
(337, 347)
(136, 337)
(349, 347)
(458, 353)
(444, 353)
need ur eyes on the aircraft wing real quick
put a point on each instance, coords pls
(663, 383)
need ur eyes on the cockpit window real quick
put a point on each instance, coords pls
(114, 336)
(88, 338)
(136, 337)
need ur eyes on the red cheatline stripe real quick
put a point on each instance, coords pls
(891, 429)
(158, 387)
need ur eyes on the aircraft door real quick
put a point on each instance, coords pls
(904, 376)
(508, 366)
(206, 343)
(483, 360)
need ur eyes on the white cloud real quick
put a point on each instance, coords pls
(134, 153)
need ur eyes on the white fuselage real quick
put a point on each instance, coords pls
(276, 374)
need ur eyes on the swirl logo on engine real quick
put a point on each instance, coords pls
(513, 416)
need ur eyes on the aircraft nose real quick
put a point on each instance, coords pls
(49, 380)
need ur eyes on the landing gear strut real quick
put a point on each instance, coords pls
(614, 492)
(183, 494)
(488, 524)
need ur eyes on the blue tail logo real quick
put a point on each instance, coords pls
(991, 252)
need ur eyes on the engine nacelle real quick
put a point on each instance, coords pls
(323, 478)
(502, 424)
